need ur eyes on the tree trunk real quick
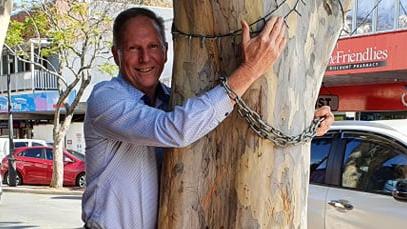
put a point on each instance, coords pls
(59, 133)
(5, 10)
(231, 178)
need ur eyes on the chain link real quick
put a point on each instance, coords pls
(265, 130)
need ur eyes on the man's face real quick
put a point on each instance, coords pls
(141, 54)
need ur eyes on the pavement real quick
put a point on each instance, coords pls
(44, 190)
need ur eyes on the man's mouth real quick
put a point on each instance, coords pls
(144, 70)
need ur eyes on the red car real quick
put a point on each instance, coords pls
(34, 166)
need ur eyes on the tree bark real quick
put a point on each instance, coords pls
(231, 178)
(5, 10)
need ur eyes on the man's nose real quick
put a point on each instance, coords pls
(144, 56)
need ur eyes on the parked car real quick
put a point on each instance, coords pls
(1, 189)
(358, 176)
(34, 166)
(4, 144)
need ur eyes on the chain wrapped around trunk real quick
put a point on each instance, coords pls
(266, 131)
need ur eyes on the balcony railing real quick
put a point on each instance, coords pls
(24, 81)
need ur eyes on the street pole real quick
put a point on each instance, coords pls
(11, 159)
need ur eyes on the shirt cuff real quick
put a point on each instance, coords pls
(222, 103)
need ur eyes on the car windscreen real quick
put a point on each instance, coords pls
(80, 156)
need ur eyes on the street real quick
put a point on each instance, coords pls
(28, 210)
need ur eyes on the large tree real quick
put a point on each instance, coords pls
(232, 178)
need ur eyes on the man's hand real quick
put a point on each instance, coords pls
(259, 53)
(324, 112)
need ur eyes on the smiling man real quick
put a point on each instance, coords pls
(128, 118)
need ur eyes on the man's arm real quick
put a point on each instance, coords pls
(112, 114)
(259, 55)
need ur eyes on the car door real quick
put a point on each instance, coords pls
(370, 167)
(70, 169)
(50, 157)
(321, 151)
(69, 175)
(33, 166)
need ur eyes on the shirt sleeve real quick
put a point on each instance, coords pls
(123, 119)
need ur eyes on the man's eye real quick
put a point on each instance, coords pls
(154, 46)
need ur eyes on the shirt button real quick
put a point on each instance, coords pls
(227, 113)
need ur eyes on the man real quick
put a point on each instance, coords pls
(126, 118)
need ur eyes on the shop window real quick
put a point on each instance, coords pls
(402, 14)
(364, 16)
(385, 15)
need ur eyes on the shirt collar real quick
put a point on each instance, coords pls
(162, 91)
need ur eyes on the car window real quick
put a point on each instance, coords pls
(49, 154)
(79, 155)
(20, 144)
(372, 166)
(320, 148)
(36, 144)
(34, 153)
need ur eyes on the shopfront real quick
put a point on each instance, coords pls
(367, 75)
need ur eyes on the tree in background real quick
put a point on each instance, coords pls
(77, 33)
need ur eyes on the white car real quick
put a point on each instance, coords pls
(4, 144)
(358, 176)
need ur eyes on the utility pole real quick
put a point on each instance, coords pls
(11, 159)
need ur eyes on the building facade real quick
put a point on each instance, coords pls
(366, 77)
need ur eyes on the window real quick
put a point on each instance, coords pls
(20, 144)
(402, 14)
(373, 166)
(364, 16)
(49, 154)
(34, 153)
(4, 63)
(385, 15)
(320, 149)
(347, 28)
(384, 179)
(36, 144)
(79, 155)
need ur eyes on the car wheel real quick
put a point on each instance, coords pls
(81, 180)
(19, 180)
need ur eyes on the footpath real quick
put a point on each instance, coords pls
(44, 190)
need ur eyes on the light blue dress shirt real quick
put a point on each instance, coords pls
(122, 134)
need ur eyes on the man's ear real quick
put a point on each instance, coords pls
(116, 55)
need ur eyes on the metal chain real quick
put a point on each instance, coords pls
(265, 130)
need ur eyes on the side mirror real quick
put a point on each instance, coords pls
(400, 191)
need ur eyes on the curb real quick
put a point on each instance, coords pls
(42, 190)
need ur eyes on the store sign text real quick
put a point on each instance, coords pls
(368, 58)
